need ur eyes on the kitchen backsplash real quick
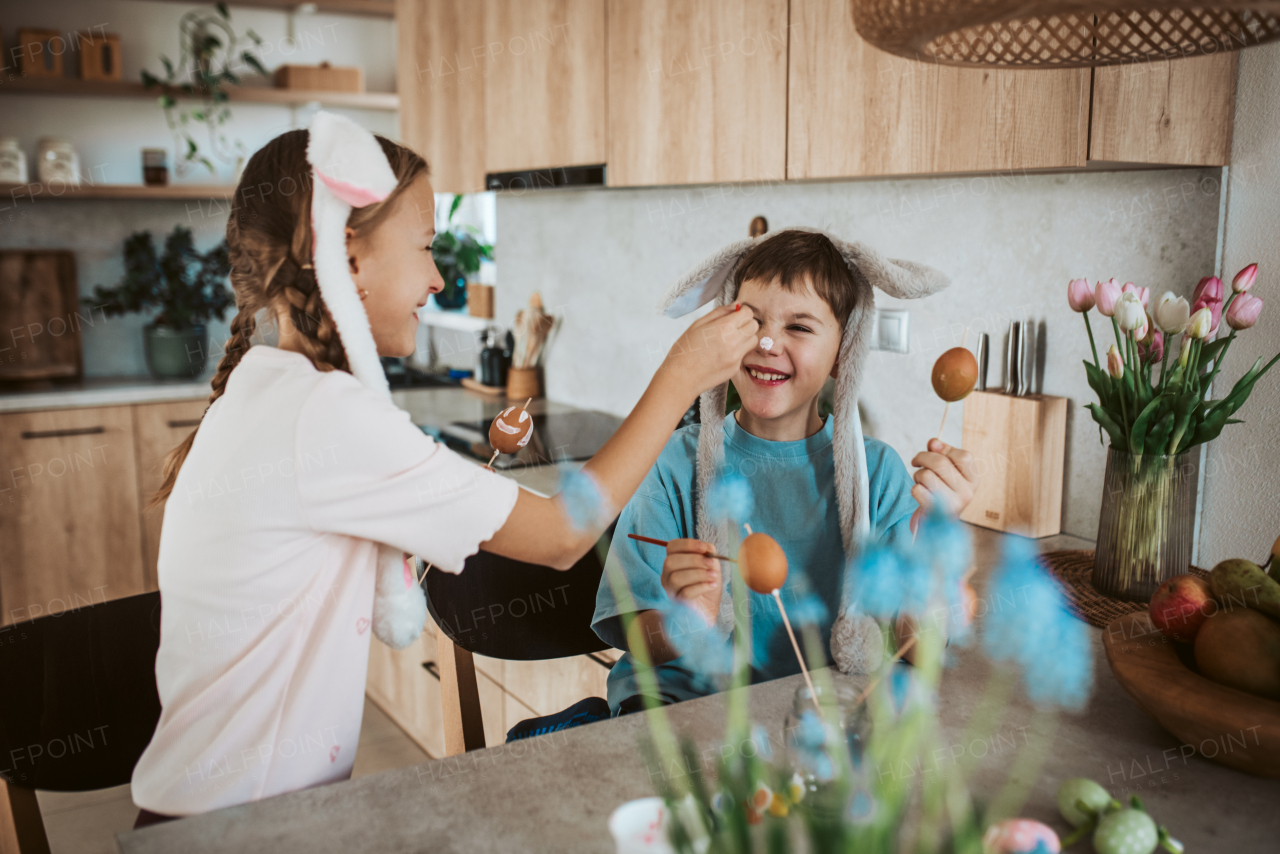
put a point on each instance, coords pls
(1010, 243)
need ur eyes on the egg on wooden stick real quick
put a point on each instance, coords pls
(763, 565)
(954, 376)
(510, 430)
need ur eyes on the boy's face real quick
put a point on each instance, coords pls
(785, 379)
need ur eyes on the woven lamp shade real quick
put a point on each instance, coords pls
(1062, 34)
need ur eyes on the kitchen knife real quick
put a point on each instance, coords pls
(983, 357)
(1024, 330)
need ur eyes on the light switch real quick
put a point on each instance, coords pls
(890, 330)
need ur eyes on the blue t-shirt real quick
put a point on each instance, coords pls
(792, 484)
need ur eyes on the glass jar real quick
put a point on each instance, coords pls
(816, 749)
(1147, 521)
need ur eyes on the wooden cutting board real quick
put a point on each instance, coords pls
(40, 317)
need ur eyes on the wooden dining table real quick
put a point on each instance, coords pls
(554, 793)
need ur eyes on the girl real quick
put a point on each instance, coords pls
(278, 503)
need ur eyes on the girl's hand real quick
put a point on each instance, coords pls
(946, 475)
(690, 575)
(712, 348)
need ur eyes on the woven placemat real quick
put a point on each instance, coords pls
(1075, 570)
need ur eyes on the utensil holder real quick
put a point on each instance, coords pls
(523, 383)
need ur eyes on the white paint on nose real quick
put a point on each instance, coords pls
(766, 343)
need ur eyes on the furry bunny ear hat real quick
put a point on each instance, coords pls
(856, 640)
(350, 170)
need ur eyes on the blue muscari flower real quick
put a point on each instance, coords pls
(583, 501)
(878, 581)
(862, 806)
(701, 646)
(760, 736)
(1029, 624)
(808, 610)
(730, 498)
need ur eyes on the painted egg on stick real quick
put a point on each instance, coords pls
(955, 374)
(763, 563)
(511, 430)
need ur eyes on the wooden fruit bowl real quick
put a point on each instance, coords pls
(1224, 725)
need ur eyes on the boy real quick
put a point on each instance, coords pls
(804, 290)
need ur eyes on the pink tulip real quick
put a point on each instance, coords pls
(1244, 311)
(1080, 295)
(1151, 345)
(1115, 362)
(1209, 295)
(1105, 295)
(1143, 293)
(1245, 279)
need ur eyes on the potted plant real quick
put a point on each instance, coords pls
(458, 251)
(208, 55)
(186, 286)
(1156, 420)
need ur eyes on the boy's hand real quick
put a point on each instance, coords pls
(691, 575)
(712, 348)
(946, 475)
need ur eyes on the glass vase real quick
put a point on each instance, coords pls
(1147, 522)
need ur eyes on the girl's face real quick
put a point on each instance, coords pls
(394, 264)
(785, 380)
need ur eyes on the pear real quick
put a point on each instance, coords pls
(1238, 582)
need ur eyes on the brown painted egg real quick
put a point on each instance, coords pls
(511, 430)
(763, 563)
(954, 374)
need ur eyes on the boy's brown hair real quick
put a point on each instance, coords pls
(791, 257)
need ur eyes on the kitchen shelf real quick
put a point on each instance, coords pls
(19, 192)
(372, 8)
(68, 86)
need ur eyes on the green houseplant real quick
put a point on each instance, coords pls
(208, 55)
(185, 285)
(458, 251)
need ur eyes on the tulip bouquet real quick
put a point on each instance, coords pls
(1155, 418)
(1166, 413)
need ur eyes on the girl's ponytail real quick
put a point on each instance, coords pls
(269, 242)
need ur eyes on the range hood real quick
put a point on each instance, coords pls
(546, 179)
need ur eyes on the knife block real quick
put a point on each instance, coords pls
(1018, 446)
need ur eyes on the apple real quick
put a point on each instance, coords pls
(1178, 607)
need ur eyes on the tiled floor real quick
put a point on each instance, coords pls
(86, 822)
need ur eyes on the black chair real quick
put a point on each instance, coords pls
(79, 706)
(510, 610)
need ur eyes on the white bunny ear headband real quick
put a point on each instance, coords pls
(350, 170)
(856, 643)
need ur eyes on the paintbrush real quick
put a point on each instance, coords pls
(664, 543)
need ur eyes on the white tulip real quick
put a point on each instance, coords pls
(1129, 313)
(1172, 313)
(1199, 324)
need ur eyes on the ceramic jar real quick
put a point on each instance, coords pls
(58, 162)
(13, 162)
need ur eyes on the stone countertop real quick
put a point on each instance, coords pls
(555, 792)
(104, 391)
(430, 408)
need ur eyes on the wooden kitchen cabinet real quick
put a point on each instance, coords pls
(441, 64)
(854, 110)
(68, 511)
(697, 91)
(545, 85)
(158, 429)
(1177, 112)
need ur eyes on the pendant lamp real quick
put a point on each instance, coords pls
(1061, 34)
